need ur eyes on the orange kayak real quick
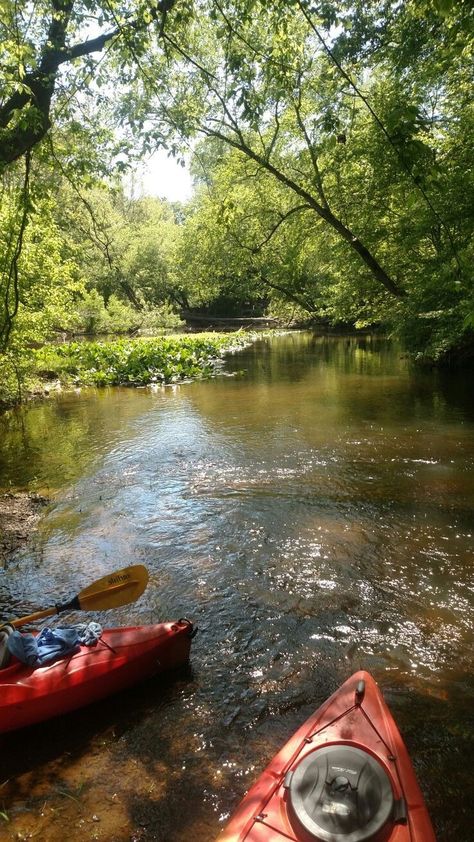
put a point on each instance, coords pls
(122, 657)
(345, 776)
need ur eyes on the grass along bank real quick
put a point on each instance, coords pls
(136, 362)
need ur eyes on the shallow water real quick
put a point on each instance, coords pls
(313, 514)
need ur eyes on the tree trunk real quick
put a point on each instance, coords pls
(130, 293)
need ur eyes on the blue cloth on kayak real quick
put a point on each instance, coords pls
(51, 644)
(45, 647)
(23, 647)
(55, 643)
(88, 633)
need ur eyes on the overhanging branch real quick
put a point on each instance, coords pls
(34, 98)
(376, 270)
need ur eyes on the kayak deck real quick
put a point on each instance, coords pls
(344, 775)
(122, 657)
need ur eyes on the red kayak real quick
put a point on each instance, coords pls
(121, 657)
(345, 776)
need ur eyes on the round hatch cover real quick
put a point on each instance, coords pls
(340, 794)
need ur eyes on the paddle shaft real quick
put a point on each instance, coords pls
(38, 615)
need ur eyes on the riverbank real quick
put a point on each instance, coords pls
(19, 516)
(132, 362)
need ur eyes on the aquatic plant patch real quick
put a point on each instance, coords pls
(139, 361)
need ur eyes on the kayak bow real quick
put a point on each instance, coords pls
(345, 776)
(122, 657)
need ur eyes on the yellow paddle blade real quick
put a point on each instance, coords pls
(118, 588)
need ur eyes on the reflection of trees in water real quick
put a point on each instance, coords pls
(48, 444)
(457, 390)
(325, 382)
(295, 355)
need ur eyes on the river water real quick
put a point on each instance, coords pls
(313, 514)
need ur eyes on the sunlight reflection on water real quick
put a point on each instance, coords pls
(313, 517)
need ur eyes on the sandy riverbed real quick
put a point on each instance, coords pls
(19, 515)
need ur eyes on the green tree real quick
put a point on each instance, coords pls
(128, 246)
(47, 56)
(356, 129)
(355, 119)
(244, 245)
(43, 286)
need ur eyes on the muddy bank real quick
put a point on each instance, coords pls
(19, 516)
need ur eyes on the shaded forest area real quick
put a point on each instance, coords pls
(331, 148)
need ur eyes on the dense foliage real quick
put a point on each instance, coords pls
(136, 362)
(332, 160)
(349, 181)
